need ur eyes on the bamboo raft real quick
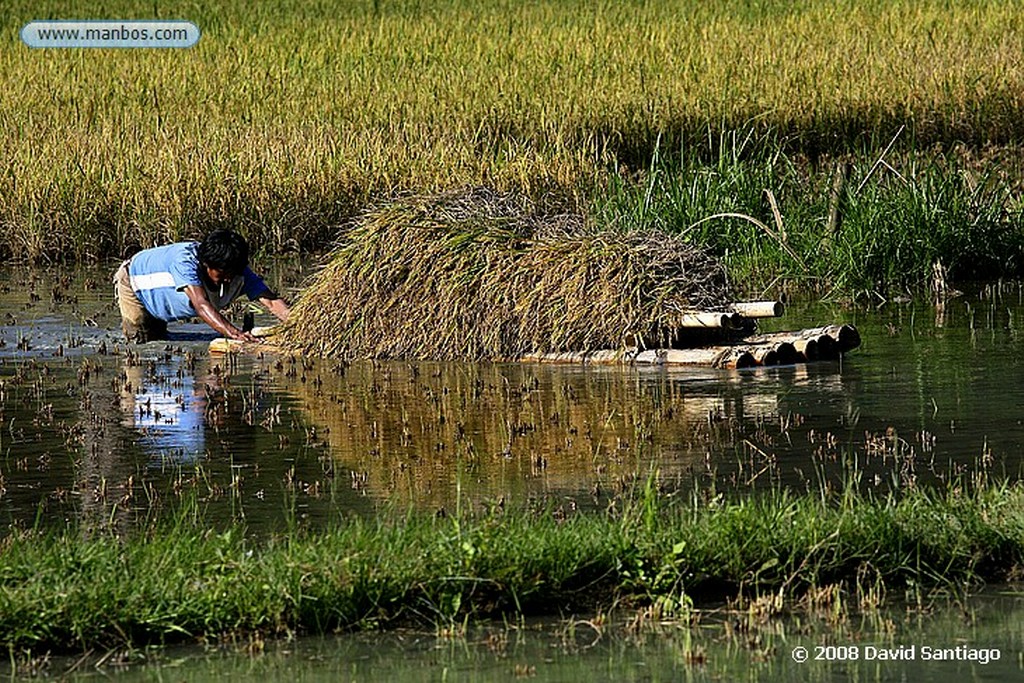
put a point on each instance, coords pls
(778, 348)
(828, 342)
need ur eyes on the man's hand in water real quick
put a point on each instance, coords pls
(212, 317)
(239, 335)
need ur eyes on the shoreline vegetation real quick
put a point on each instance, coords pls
(657, 558)
(289, 124)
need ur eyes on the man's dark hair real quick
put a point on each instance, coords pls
(225, 250)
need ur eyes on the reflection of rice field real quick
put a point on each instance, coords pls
(285, 123)
(440, 435)
(421, 433)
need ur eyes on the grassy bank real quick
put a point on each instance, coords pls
(285, 123)
(68, 592)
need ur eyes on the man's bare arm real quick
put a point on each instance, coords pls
(275, 305)
(212, 317)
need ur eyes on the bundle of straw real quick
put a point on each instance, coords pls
(477, 275)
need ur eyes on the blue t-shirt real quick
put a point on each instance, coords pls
(159, 277)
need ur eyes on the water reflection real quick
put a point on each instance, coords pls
(108, 433)
(427, 432)
(710, 645)
(167, 407)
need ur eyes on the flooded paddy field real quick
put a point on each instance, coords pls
(101, 433)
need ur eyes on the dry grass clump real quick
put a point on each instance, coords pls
(478, 275)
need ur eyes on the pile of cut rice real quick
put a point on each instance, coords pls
(476, 275)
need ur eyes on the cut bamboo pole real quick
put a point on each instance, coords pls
(760, 309)
(705, 357)
(847, 337)
(828, 349)
(843, 337)
(787, 354)
(730, 357)
(711, 319)
(807, 348)
(735, 358)
(764, 354)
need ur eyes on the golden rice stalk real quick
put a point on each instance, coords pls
(479, 275)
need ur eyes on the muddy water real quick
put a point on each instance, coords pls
(980, 639)
(103, 433)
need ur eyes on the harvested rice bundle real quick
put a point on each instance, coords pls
(477, 275)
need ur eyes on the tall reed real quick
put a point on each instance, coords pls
(894, 217)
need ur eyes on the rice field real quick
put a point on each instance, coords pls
(287, 123)
(311, 497)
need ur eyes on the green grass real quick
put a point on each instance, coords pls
(180, 581)
(956, 207)
(287, 122)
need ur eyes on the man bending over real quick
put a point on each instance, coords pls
(189, 279)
